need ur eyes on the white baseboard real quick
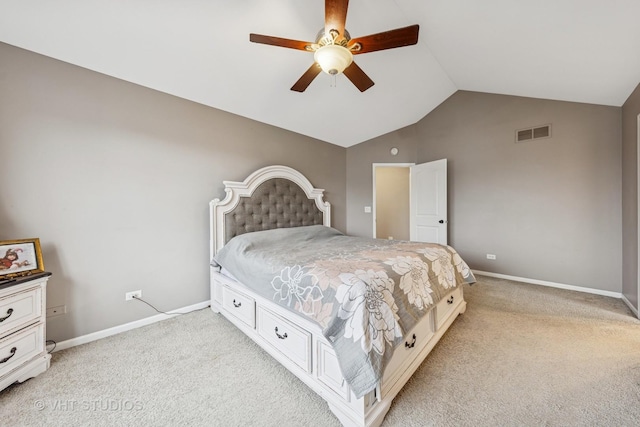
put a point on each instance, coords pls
(633, 309)
(159, 317)
(127, 327)
(551, 284)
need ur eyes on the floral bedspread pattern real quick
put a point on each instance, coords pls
(364, 293)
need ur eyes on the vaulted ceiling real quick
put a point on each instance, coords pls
(573, 50)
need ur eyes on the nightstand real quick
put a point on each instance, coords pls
(23, 352)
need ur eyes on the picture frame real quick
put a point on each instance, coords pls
(20, 258)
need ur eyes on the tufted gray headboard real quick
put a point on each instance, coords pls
(271, 197)
(276, 203)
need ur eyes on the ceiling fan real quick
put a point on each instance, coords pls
(334, 48)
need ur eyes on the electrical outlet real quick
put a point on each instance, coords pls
(56, 311)
(131, 295)
(491, 256)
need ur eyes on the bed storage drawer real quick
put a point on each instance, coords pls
(239, 305)
(447, 305)
(329, 372)
(292, 341)
(414, 341)
(20, 310)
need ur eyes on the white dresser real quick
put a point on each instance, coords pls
(23, 352)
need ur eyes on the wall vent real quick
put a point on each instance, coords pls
(537, 132)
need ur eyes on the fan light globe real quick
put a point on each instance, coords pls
(333, 59)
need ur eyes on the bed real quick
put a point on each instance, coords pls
(353, 318)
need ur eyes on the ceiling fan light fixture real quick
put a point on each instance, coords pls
(333, 58)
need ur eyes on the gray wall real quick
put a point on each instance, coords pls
(549, 209)
(115, 180)
(630, 111)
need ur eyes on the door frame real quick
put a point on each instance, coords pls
(638, 213)
(382, 165)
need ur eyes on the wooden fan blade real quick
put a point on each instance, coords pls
(388, 40)
(277, 41)
(358, 77)
(335, 15)
(306, 79)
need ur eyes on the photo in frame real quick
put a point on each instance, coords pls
(20, 258)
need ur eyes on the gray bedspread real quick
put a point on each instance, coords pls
(364, 293)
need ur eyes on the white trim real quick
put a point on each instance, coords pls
(373, 207)
(94, 336)
(637, 309)
(631, 307)
(551, 284)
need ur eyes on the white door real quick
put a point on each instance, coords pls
(428, 206)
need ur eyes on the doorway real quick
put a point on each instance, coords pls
(391, 200)
(410, 201)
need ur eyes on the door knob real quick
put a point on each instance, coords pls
(441, 221)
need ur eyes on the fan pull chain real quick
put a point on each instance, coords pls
(333, 81)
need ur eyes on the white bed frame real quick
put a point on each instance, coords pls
(296, 342)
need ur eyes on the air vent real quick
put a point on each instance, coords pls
(538, 132)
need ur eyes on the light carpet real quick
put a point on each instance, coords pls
(521, 355)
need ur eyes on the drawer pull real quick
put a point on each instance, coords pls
(13, 353)
(236, 305)
(283, 336)
(9, 313)
(450, 300)
(406, 343)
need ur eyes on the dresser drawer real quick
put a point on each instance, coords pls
(20, 310)
(239, 305)
(414, 341)
(292, 341)
(329, 372)
(21, 347)
(447, 305)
